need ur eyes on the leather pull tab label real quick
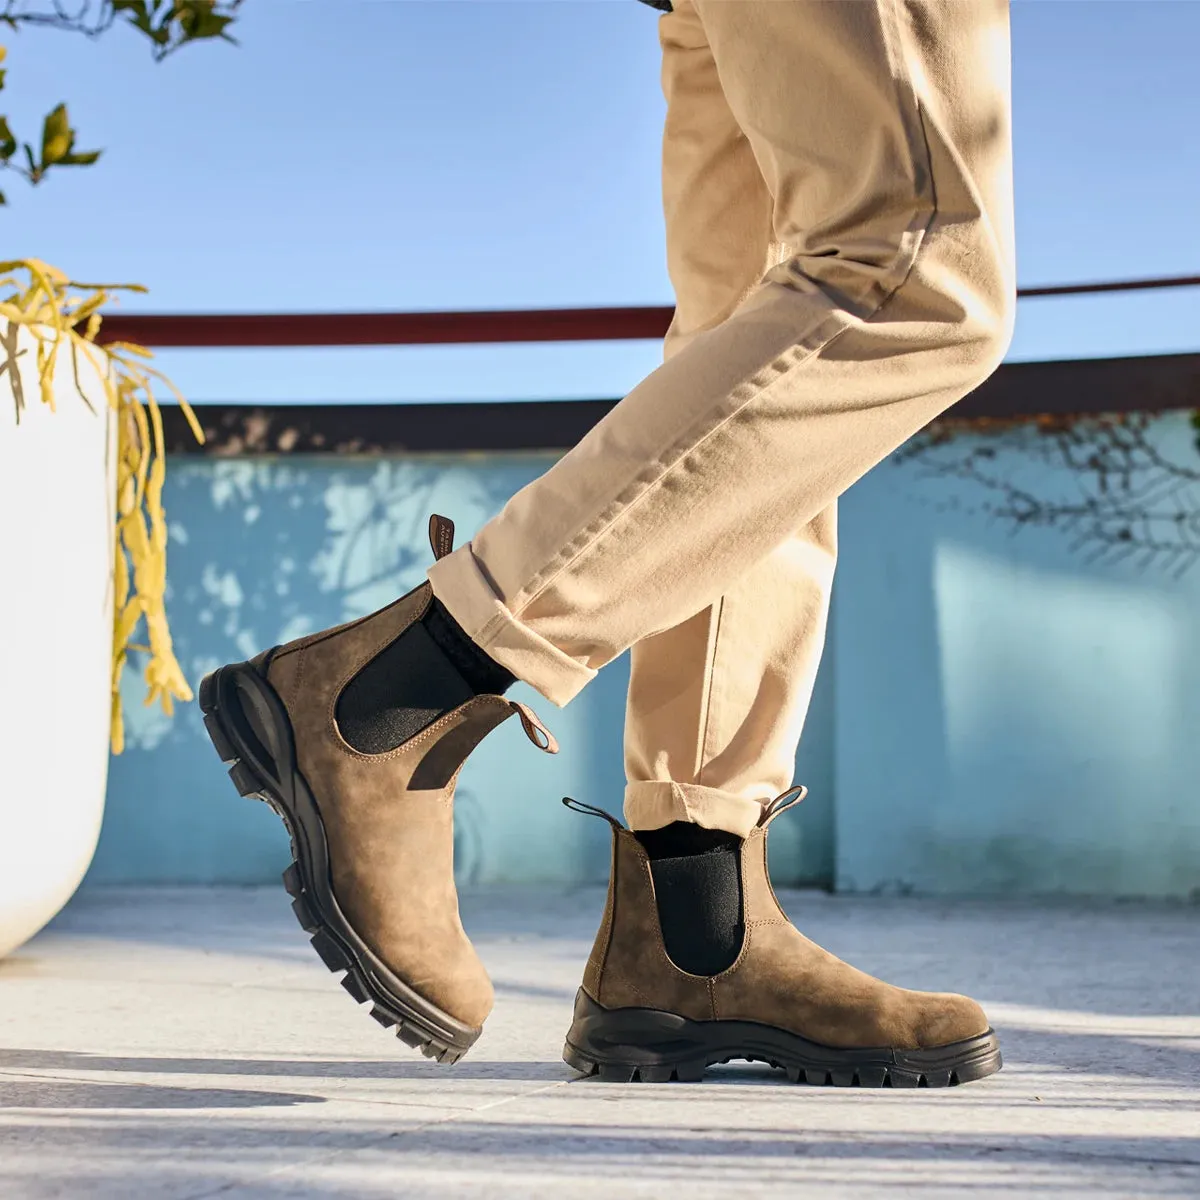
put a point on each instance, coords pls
(591, 811)
(441, 535)
(532, 727)
(782, 803)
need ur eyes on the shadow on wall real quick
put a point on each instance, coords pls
(263, 551)
(1011, 716)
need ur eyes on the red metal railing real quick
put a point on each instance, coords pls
(432, 328)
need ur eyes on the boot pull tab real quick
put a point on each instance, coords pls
(781, 803)
(441, 535)
(579, 807)
(532, 726)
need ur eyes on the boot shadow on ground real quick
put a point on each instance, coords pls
(1154, 1060)
(399, 1068)
(43, 1093)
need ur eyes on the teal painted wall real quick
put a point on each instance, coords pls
(1008, 717)
(993, 714)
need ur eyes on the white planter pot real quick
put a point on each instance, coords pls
(57, 497)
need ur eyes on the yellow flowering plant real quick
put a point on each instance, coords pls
(60, 312)
(46, 306)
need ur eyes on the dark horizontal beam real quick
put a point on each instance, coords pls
(387, 328)
(216, 330)
(1085, 386)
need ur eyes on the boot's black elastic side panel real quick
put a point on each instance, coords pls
(481, 672)
(404, 688)
(698, 888)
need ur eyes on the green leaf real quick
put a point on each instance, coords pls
(57, 136)
(3, 198)
(8, 143)
(79, 160)
(139, 15)
(199, 21)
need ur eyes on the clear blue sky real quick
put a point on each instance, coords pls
(485, 154)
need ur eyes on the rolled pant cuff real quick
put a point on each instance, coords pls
(460, 584)
(655, 803)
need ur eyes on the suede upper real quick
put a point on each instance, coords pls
(780, 977)
(388, 817)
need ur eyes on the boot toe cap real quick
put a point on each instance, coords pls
(950, 1018)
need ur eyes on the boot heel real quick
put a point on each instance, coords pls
(248, 725)
(613, 1072)
(624, 1045)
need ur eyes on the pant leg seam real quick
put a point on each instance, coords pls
(708, 692)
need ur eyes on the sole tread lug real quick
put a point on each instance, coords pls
(332, 955)
(656, 1074)
(385, 1018)
(578, 1062)
(355, 986)
(245, 781)
(220, 742)
(410, 1035)
(292, 880)
(616, 1072)
(304, 914)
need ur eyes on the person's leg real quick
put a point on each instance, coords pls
(881, 128)
(695, 962)
(717, 703)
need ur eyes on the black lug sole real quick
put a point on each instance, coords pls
(249, 728)
(628, 1045)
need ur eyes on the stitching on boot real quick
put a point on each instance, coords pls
(301, 662)
(737, 962)
(608, 921)
(644, 863)
(357, 666)
(668, 961)
(315, 639)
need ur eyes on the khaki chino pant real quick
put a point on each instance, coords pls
(837, 187)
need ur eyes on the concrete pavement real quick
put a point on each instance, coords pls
(187, 1043)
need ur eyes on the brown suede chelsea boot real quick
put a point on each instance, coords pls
(783, 1000)
(364, 782)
